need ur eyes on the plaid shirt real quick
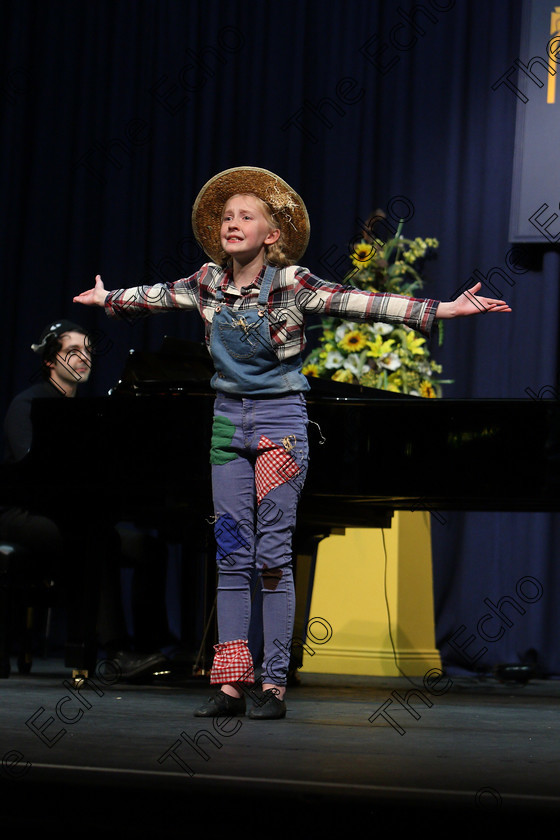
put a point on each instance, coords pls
(295, 294)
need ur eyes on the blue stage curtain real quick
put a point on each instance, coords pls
(115, 114)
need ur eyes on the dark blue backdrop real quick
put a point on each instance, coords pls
(115, 113)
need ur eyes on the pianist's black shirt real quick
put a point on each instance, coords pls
(18, 430)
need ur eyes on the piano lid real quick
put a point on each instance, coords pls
(179, 364)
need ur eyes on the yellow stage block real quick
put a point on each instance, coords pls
(373, 587)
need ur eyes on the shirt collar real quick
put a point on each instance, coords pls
(228, 281)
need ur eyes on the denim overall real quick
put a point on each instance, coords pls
(259, 463)
(242, 351)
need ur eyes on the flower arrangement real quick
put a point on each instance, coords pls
(393, 358)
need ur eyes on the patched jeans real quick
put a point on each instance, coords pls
(259, 462)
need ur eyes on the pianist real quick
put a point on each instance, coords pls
(253, 299)
(66, 358)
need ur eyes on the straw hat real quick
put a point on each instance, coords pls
(286, 206)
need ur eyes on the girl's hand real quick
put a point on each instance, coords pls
(469, 303)
(93, 297)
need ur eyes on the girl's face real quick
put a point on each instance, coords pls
(245, 229)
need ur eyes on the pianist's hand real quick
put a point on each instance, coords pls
(95, 296)
(469, 303)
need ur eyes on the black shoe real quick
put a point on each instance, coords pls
(222, 704)
(134, 666)
(267, 706)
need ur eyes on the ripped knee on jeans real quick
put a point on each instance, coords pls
(271, 578)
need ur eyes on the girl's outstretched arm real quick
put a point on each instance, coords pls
(469, 303)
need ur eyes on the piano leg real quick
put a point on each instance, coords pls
(83, 585)
(199, 631)
(305, 546)
(81, 658)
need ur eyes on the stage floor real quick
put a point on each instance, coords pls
(474, 750)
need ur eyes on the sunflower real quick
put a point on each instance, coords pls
(362, 255)
(310, 370)
(353, 342)
(427, 389)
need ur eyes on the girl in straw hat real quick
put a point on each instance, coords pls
(253, 298)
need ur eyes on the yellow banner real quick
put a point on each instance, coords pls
(554, 30)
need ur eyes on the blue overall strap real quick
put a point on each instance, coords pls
(269, 275)
(219, 294)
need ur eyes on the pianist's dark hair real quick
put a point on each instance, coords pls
(51, 351)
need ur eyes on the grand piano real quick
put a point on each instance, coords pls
(143, 452)
(145, 446)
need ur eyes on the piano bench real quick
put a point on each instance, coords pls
(22, 591)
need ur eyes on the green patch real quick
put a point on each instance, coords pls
(223, 431)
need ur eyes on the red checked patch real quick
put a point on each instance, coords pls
(274, 467)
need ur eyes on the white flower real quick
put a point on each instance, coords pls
(381, 329)
(354, 364)
(391, 361)
(334, 360)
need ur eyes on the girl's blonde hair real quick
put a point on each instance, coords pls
(274, 254)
